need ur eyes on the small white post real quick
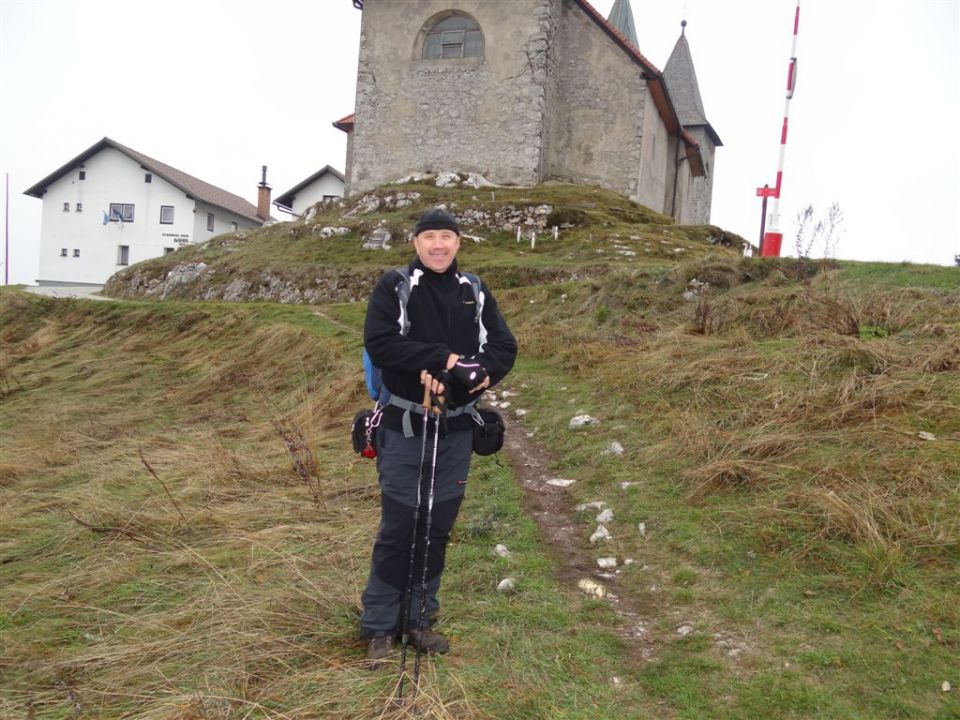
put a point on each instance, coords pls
(518, 233)
(556, 232)
(533, 239)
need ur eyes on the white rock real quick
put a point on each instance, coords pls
(601, 533)
(473, 238)
(614, 448)
(447, 179)
(504, 394)
(684, 630)
(607, 563)
(945, 686)
(579, 421)
(617, 682)
(519, 412)
(417, 177)
(505, 404)
(592, 588)
(629, 561)
(501, 551)
(506, 585)
(642, 529)
(625, 485)
(560, 482)
(923, 435)
(328, 232)
(605, 516)
(475, 180)
(594, 505)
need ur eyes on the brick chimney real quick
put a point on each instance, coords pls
(263, 197)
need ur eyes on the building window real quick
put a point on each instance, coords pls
(66, 207)
(330, 198)
(167, 251)
(457, 36)
(210, 222)
(83, 174)
(123, 255)
(234, 226)
(148, 178)
(166, 214)
(64, 252)
(121, 212)
(76, 252)
(79, 207)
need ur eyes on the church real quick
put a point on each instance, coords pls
(527, 91)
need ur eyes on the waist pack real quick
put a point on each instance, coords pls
(488, 436)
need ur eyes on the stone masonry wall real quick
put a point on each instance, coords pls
(702, 191)
(596, 132)
(474, 115)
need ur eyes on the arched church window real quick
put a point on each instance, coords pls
(457, 36)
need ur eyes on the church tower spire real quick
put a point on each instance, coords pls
(621, 17)
(681, 81)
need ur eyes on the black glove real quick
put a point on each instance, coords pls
(469, 372)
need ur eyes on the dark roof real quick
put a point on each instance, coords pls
(621, 17)
(681, 79)
(286, 200)
(194, 188)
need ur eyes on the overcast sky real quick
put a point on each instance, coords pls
(217, 88)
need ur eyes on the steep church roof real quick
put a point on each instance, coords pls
(681, 79)
(621, 17)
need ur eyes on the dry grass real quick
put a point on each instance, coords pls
(786, 390)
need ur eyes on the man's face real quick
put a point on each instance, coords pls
(437, 249)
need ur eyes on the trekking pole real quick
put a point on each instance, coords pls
(436, 408)
(408, 592)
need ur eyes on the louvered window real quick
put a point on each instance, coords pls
(457, 36)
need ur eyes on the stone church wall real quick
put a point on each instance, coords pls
(596, 129)
(471, 114)
(702, 193)
(656, 166)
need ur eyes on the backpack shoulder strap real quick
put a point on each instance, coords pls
(475, 286)
(402, 289)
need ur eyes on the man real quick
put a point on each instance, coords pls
(456, 351)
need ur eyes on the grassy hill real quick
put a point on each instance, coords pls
(184, 531)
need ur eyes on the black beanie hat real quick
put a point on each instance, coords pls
(437, 219)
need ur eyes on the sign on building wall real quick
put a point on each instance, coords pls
(179, 238)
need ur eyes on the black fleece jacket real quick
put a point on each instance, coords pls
(443, 319)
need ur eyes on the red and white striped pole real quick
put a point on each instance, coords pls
(773, 238)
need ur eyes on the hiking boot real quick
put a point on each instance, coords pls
(430, 641)
(380, 651)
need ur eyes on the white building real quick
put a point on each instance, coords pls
(111, 206)
(324, 185)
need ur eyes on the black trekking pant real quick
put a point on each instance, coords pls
(398, 461)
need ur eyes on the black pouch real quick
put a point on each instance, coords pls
(488, 438)
(363, 431)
